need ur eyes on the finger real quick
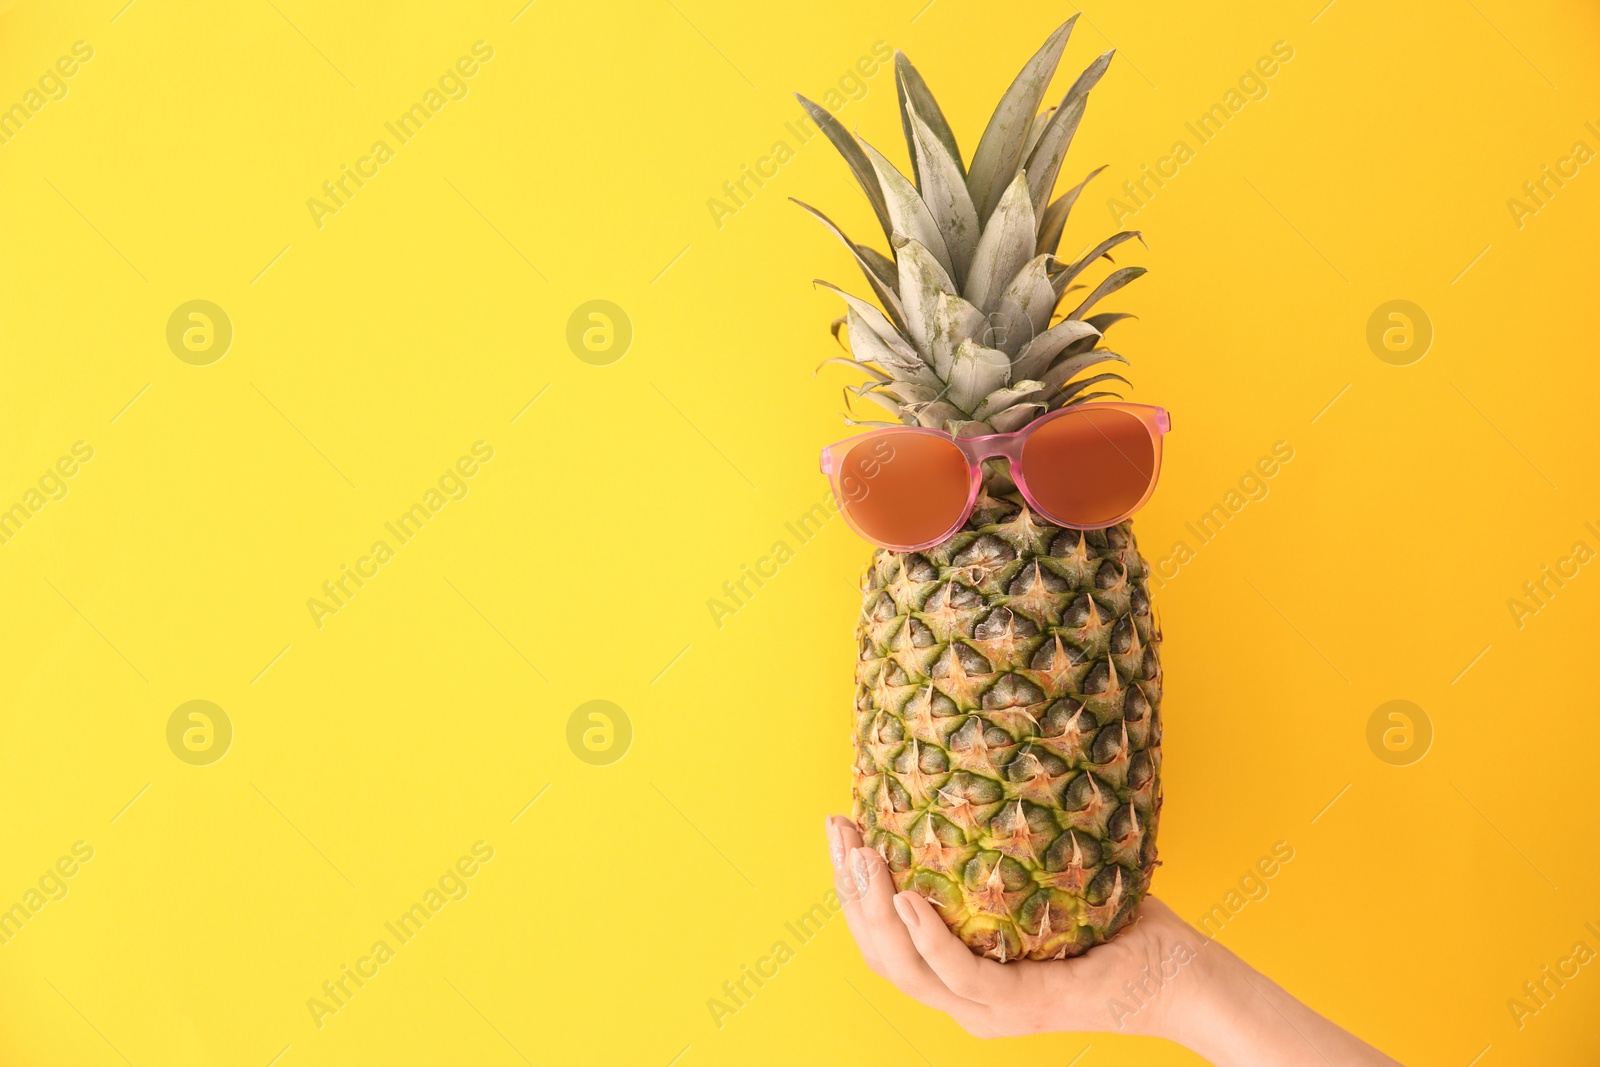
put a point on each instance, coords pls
(958, 970)
(842, 837)
(849, 835)
(904, 966)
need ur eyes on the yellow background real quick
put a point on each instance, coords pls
(371, 753)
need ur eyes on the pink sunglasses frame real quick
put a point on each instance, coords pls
(1007, 446)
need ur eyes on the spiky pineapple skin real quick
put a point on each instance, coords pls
(1008, 729)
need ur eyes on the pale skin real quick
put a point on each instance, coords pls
(1159, 977)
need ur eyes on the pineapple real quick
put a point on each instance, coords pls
(1007, 712)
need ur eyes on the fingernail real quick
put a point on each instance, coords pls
(908, 913)
(858, 868)
(835, 844)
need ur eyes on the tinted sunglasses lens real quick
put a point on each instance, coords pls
(1090, 467)
(904, 488)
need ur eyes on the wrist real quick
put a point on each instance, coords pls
(1210, 1001)
(1185, 985)
(1234, 1016)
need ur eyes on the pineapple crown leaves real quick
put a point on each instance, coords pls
(961, 337)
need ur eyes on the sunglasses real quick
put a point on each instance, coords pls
(1084, 467)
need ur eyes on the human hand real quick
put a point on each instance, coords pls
(1159, 976)
(1131, 984)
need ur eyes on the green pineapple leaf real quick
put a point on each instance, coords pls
(975, 372)
(954, 321)
(944, 190)
(876, 323)
(1037, 355)
(1114, 281)
(881, 289)
(915, 98)
(1072, 389)
(1071, 271)
(1006, 244)
(936, 414)
(1054, 220)
(999, 154)
(904, 392)
(1062, 373)
(1016, 416)
(1044, 161)
(922, 279)
(1106, 319)
(907, 210)
(1074, 401)
(851, 151)
(881, 265)
(854, 364)
(1025, 307)
(1041, 122)
(869, 346)
(889, 404)
(1001, 399)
